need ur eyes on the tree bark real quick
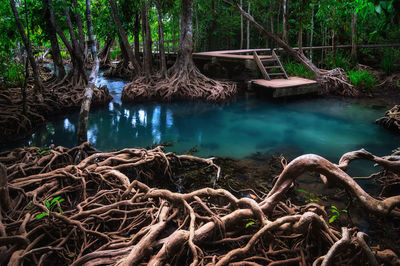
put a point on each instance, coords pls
(161, 39)
(248, 26)
(184, 60)
(312, 32)
(284, 22)
(85, 107)
(5, 201)
(354, 37)
(137, 69)
(28, 47)
(59, 69)
(78, 19)
(147, 49)
(136, 32)
(241, 27)
(196, 35)
(104, 54)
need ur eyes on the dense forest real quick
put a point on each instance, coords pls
(199, 132)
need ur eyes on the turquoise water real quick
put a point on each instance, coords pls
(243, 127)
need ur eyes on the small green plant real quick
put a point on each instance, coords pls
(250, 222)
(55, 203)
(362, 79)
(43, 151)
(309, 196)
(388, 62)
(296, 69)
(336, 213)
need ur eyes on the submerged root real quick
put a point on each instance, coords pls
(179, 86)
(57, 97)
(121, 70)
(110, 216)
(391, 120)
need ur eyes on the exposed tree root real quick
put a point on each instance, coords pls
(122, 70)
(187, 85)
(391, 119)
(57, 97)
(336, 81)
(110, 216)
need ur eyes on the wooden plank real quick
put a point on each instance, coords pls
(260, 66)
(283, 83)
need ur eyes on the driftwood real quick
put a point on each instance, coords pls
(110, 216)
(391, 119)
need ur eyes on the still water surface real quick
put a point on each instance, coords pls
(245, 126)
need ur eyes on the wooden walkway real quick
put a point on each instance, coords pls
(272, 70)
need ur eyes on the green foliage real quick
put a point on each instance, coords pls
(250, 222)
(309, 196)
(389, 60)
(43, 151)
(297, 69)
(50, 205)
(339, 59)
(362, 79)
(336, 213)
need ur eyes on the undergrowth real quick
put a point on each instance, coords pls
(362, 79)
(297, 69)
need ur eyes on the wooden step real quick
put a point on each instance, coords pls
(271, 67)
(268, 60)
(277, 74)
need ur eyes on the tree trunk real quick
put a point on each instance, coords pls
(5, 201)
(241, 27)
(85, 107)
(28, 47)
(136, 32)
(354, 37)
(196, 35)
(122, 34)
(248, 26)
(147, 49)
(161, 39)
(285, 21)
(300, 36)
(104, 54)
(59, 69)
(78, 19)
(184, 60)
(312, 32)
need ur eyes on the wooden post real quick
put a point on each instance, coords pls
(241, 27)
(5, 201)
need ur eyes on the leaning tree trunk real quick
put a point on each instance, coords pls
(284, 22)
(28, 47)
(104, 54)
(85, 107)
(335, 79)
(184, 80)
(122, 34)
(161, 39)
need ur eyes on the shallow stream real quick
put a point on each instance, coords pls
(243, 127)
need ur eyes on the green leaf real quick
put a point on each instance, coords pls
(344, 210)
(47, 204)
(302, 190)
(335, 211)
(250, 224)
(334, 207)
(332, 219)
(378, 9)
(41, 215)
(55, 200)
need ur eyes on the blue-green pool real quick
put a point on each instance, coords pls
(240, 128)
